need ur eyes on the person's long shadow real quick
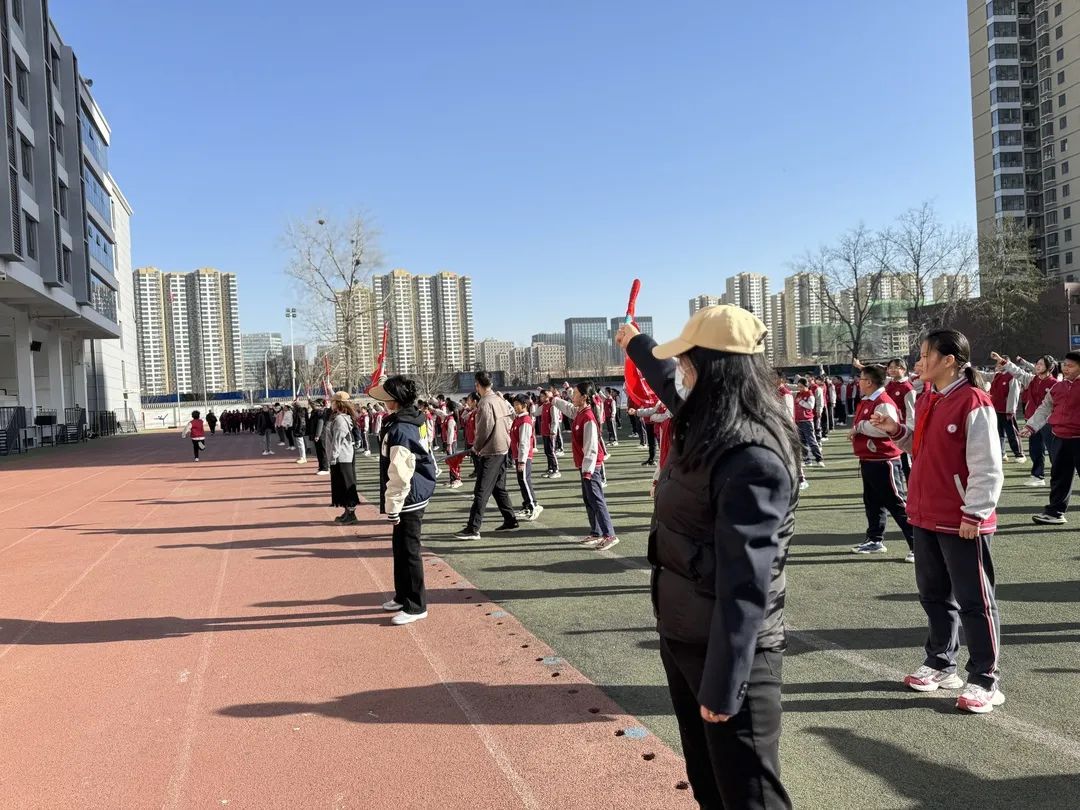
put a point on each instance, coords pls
(140, 530)
(587, 565)
(41, 633)
(1064, 591)
(285, 543)
(890, 638)
(513, 704)
(930, 785)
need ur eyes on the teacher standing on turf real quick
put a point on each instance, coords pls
(718, 543)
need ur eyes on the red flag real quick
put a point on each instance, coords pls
(376, 375)
(638, 392)
(328, 389)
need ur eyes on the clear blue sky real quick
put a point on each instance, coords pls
(550, 150)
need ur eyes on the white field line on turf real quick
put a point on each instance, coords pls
(1006, 722)
(442, 672)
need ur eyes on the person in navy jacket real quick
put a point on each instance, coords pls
(723, 518)
(407, 474)
(953, 492)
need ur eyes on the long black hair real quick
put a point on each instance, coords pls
(949, 341)
(588, 390)
(730, 390)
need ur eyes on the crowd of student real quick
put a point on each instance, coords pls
(930, 447)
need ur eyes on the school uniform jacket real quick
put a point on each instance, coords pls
(549, 422)
(587, 446)
(1061, 409)
(871, 443)
(956, 472)
(787, 398)
(902, 393)
(804, 406)
(522, 438)
(407, 470)
(1005, 393)
(1035, 387)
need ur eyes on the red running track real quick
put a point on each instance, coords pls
(180, 635)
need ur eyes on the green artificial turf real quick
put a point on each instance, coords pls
(853, 736)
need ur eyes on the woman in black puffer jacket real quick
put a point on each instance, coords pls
(718, 543)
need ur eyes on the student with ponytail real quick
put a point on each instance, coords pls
(589, 454)
(953, 491)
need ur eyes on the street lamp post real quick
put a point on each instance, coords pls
(290, 313)
(266, 375)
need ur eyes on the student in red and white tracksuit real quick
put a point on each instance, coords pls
(902, 393)
(805, 422)
(1005, 394)
(363, 424)
(953, 492)
(1035, 382)
(608, 404)
(830, 404)
(377, 416)
(550, 424)
(659, 417)
(788, 398)
(821, 430)
(448, 415)
(851, 393)
(589, 454)
(1060, 409)
(840, 408)
(884, 487)
(522, 449)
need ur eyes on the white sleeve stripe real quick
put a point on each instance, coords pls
(985, 476)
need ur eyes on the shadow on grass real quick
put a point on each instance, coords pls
(926, 783)
(1065, 591)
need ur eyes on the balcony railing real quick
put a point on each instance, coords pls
(103, 298)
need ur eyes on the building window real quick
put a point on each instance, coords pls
(1067, 212)
(61, 199)
(1068, 234)
(55, 58)
(1065, 190)
(67, 264)
(1068, 257)
(1065, 167)
(58, 134)
(1051, 217)
(26, 155)
(22, 83)
(1061, 77)
(1061, 100)
(1057, 10)
(1059, 32)
(17, 11)
(31, 237)
(1063, 122)
(1061, 54)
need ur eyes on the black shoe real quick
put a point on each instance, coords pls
(341, 517)
(349, 519)
(648, 464)
(508, 527)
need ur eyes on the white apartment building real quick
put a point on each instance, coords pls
(751, 292)
(494, 355)
(702, 301)
(803, 293)
(777, 322)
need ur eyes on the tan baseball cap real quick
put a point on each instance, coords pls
(379, 394)
(341, 396)
(724, 328)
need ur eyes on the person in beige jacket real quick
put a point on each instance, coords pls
(490, 447)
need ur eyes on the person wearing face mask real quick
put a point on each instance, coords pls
(723, 518)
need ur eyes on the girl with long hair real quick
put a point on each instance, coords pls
(721, 526)
(589, 454)
(340, 453)
(953, 491)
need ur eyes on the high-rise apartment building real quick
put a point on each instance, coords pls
(258, 348)
(702, 301)
(494, 355)
(645, 324)
(949, 287)
(189, 331)
(1025, 90)
(59, 290)
(803, 293)
(358, 328)
(588, 342)
(431, 320)
(751, 292)
(549, 358)
(777, 322)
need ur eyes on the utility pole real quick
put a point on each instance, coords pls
(290, 314)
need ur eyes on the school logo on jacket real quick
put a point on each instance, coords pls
(951, 428)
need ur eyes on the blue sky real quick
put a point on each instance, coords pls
(552, 151)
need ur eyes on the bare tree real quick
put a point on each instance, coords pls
(332, 264)
(432, 379)
(1010, 282)
(845, 280)
(922, 248)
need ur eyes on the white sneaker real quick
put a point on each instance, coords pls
(614, 444)
(556, 474)
(293, 448)
(928, 679)
(367, 452)
(1035, 482)
(301, 461)
(804, 485)
(455, 484)
(323, 472)
(407, 618)
(196, 461)
(560, 453)
(819, 464)
(535, 513)
(910, 557)
(281, 444)
(266, 452)
(606, 543)
(392, 606)
(269, 452)
(522, 513)
(978, 700)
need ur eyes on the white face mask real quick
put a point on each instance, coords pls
(680, 383)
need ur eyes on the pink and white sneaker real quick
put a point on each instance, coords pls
(606, 543)
(590, 540)
(978, 700)
(928, 679)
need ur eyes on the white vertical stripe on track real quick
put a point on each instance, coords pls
(500, 757)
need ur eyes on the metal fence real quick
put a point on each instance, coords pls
(12, 421)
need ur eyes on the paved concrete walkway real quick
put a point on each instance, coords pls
(203, 635)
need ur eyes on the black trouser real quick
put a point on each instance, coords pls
(635, 424)
(195, 447)
(1066, 463)
(955, 578)
(549, 454)
(841, 412)
(650, 437)
(490, 480)
(1041, 444)
(361, 443)
(612, 436)
(320, 455)
(524, 479)
(213, 427)
(829, 415)
(1006, 425)
(289, 437)
(905, 465)
(809, 441)
(884, 492)
(592, 492)
(408, 564)
(733, 765)
(559, 440)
